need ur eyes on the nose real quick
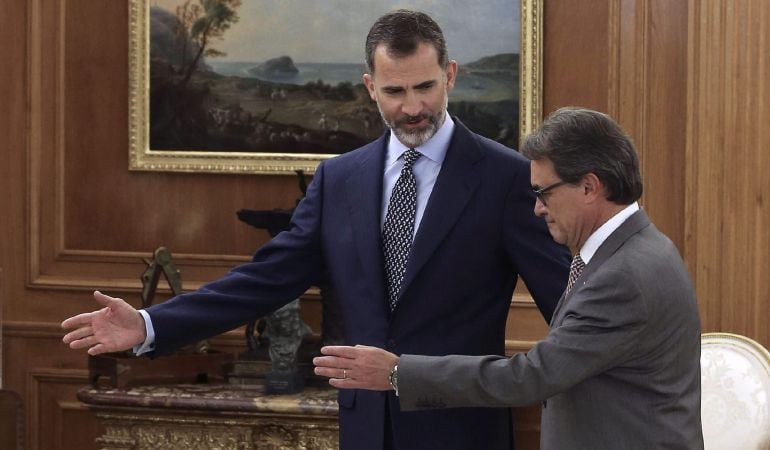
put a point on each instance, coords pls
(412, 105)
(540, 208)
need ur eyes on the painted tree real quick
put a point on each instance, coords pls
(201, 24)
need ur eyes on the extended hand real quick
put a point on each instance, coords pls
(359, 367)
(117, 326)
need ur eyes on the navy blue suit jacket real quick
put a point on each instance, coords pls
(478, 233)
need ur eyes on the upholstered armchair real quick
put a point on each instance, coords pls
(735, 375)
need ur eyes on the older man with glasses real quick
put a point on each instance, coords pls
(620, 366)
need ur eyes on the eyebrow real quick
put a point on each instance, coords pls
(392, 89)
(395, 89)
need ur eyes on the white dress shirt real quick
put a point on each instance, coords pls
(601, 234)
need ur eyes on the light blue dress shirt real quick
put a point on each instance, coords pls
(425, 171)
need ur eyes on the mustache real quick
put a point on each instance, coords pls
(417, 118)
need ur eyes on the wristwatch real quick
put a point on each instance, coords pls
(393, 378)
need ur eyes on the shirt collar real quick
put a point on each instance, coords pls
(435, 149)
(601, 234)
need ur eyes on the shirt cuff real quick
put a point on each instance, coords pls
(149, 343)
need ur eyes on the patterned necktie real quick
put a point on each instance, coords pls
(575, 269)
(399, 226)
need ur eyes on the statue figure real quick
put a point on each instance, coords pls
(286, 331)
(283, 330)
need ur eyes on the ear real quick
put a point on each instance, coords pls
(592, 187)
(369, 83)
(451, 74)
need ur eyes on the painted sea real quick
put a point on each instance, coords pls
(285, 107)
(469, 87)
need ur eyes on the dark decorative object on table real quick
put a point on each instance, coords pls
(191, 364)
(286, 330)
(161, 262)
(283, 336)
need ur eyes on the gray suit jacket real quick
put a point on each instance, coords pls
(619, 368)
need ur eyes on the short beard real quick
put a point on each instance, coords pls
(416, 138)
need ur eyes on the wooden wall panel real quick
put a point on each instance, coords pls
(13, 144)
(728, 152)
(575, 54)
(627, 58)
(47, 375)
(659, 103)
(65, 423)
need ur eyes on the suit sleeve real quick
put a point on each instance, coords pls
(602, 325)
(279, 272)
(541, 262)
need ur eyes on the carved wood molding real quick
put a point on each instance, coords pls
(50, 264)
(32, 330)
(47, 330)
(156, 429)
(36, 379)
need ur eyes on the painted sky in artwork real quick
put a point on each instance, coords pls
(324, 31)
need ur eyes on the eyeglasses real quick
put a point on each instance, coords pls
(541, 193)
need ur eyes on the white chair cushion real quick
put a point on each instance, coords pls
(735, 376)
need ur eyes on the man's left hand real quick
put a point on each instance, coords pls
(359, 367)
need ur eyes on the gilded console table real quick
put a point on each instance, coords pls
(213, 416)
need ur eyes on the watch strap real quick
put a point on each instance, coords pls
(393, 378)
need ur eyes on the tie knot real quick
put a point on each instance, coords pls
(577, 264)
(410, 156)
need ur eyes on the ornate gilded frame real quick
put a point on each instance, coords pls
(141, 157)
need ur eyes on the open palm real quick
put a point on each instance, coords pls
(116, 327)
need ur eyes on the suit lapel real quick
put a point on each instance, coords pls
(454, 187)
(614, 241)
(364, 194)
(635, 223)
(555, 317)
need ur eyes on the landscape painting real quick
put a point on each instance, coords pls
(266, 86)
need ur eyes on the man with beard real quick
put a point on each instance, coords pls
(620, 366)
(421, 236)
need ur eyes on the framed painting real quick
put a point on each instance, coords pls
(266, 87)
